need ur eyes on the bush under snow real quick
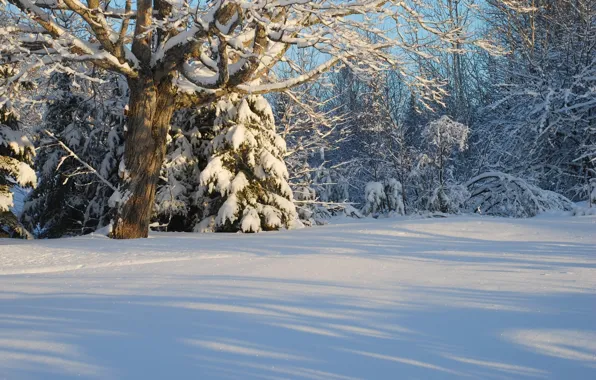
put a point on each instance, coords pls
(383, 198)
(500, 194)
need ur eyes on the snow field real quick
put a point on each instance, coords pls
(459, 297)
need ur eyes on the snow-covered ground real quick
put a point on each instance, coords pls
(463, 297)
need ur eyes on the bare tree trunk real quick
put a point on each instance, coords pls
(151, 107)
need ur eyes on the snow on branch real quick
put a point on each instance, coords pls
(286, 84)
(233, 46)
(66, 45)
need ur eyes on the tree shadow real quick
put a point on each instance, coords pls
(448, 306)
(247, 327)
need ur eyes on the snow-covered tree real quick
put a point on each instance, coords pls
(383, 198)
(16, 156)
(375, 199)
(541, 120)
(186, 54)
(179, 205)
(246, 175)
(56, 207)
(443, 136)
(16, 148)
(180, 172)
(312, 129)
(80, 147)
(394, 193)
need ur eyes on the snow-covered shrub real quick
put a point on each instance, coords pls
(16, 156)
(590, 206)
(375, 199)
(310, 210)
(246, 176)
(383, 198)
(304, 197)
(394, 193)
(500, 194)
(450, 199)
(325, 183)
(339, 191)
(351, 211)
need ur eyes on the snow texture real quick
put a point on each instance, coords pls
(462, 297)
(25, 175)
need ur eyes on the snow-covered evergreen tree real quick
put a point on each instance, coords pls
(173, 197)
(56, 206)
(16, 156)
(70, 198)
(246, 176)
(179, 205)
(17, 151)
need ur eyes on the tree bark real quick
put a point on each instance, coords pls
(150, 110)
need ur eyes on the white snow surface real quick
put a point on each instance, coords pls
(450, 298)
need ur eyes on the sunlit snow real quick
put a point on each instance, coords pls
(449, 298)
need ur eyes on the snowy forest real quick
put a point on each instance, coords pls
(259, 115)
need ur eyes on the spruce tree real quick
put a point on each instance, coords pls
(71, 199)
(246, 179)
(178, 204)
(16, 156)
